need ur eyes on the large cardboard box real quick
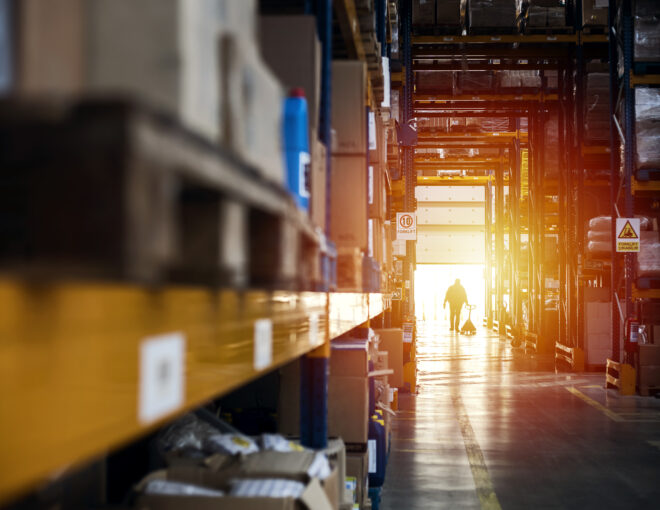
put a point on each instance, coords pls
(349, 358)
(391, 340)
(317, 202)
(291, 48)
(448, 12)
(649, 376)
(348, 408)
(357, 468)
(377, 191)
(349, 86)
(348, 227)
(423, 12)
(649, 355)
(313, 497)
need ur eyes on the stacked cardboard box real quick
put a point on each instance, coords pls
(391, 341)
(194, 60)
(649, 367)
(349, 181)
(493, 14)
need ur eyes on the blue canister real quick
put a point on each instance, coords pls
(296, 147)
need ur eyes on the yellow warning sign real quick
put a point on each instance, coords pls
(628, 232)
(627, 235)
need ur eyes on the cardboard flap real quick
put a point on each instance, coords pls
(314, 497)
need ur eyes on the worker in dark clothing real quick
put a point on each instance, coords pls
(457, 297)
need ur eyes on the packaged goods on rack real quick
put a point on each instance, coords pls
(448, 12)
(517, 79)
(438, 82)
(423, 13)
(173, 488)
(647, 127)
(597, 107)
(493, 14)
(476, 81)
(647, 30)
(551, 147)
(540, 16)
(648, 258)
(594, 13)
(604, 223)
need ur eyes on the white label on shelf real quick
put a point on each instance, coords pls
(162, 379)
(373, 455)
(313, 328)
(373, 144)
(263, 343)
(370, 192)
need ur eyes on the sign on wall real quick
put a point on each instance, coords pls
(627, 235)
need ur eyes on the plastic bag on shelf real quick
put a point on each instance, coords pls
(187, 433)
(266, 488)
(231, 444)
(647, 127)
(647, 30)
(604, 223)
(279, 443)
(599, 249)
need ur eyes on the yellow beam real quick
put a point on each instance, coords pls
(445, 98)
(494, 39)
(645, 185)
(70, 354)
(427, 180)
(350, 28)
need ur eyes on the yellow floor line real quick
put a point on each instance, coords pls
(482, 480)
(596, 405)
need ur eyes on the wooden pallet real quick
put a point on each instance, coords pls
(113, 190)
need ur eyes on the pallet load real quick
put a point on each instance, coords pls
(599, 237)
(493, 16)
(647, 127)
(594, 14)
(543, 15)
(647, 31)
(597, 108)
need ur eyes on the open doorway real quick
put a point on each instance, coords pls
(431, 283)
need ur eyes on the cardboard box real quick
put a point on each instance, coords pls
(349, 202)
(423, 13)
(348, 408)
(391, 340)
(349, 86)
(649, 376)
(357, 467)
(448, 12)
(649, 355)
(349, 358)
(312, 498)
(291, 48)
(252, 108)
(594, 12)
(349, 269)
(376, 191)
(317, 203)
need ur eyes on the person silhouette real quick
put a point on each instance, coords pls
(457, 297)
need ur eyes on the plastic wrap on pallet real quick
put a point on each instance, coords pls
(647, 127)
(648, 259)
(516, 79)
(435, 81)
(604, 223)
(647, 30)
(551, 147)
(599, 248)
(476, 81)
(493, 13)
(545, 17)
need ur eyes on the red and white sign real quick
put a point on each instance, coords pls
(406, 226)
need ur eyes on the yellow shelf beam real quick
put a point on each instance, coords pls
(495, 39)
(70, 376)
(445, 98)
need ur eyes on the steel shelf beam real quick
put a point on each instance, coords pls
(71, 352)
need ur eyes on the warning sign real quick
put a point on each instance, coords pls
(627, 235)
(406, 226)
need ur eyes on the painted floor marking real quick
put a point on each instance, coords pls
(482, 480)
(596, 405)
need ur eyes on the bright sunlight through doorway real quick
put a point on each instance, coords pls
(431, 283)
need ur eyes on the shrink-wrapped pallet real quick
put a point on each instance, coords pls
(647, 127)
(647, 31)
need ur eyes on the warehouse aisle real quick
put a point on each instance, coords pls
(486, 431)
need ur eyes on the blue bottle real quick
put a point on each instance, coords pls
(296, 147)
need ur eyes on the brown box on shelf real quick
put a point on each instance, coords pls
(349, 360)
(594, 13)
(349, 269)
(357, 467)
(317, 203)
(349, 202)
(291, 48)
(348, 408)
(391, 340)
(448, 12)
(377, 198)
(349, 82)
(649, 376)
(649, 355)
(423, 12)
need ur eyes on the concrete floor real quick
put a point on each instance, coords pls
(488, 431)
